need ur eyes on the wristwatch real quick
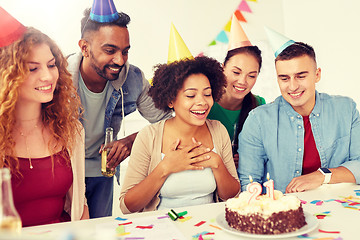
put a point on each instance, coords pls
(327, 173)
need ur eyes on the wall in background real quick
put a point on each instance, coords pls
(330, 26)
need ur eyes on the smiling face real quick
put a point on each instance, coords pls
(194, 100)
(297, 78)
(41, 81)
(241, 72)
(108, 51)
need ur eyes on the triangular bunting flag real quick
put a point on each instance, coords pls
(239, 16)
(222, 37)
(244, 7)
(212, 43)
(201, 54)
(228, 26)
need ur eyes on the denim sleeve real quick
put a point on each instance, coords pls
(353, 164)
(147, 107)
(251, 152)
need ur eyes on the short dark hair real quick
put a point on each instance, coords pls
(296, 49)
(87, 25)
(251, 50)
(169, 79)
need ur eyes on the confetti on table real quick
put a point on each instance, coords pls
(181, 214)
(303, 201)
(319, 203)
(322, 215)
(202, 233)
(315, 201)
(199, 223)
(215, 226)
(161, 217)
(305, 236)
(184, 219)
(357, 192)
(329, 200)
(121, 219)
(326, 238)
(145, 227)
(123, 234)
(127, 223)
(323, 231)
(200, 237)
(120, 229)
(354, 203)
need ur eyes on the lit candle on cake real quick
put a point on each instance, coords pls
(254, 188)
(269, 184)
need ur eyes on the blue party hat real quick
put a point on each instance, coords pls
(278, 41)
(103, 11)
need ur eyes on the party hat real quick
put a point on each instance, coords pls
(237, 36)
(103, 11)
(10, 29)
(177, 48)
(278, 41)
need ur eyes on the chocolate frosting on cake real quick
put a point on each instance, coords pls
(281, 222)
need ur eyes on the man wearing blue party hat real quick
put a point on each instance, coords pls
(304, 138)
(110, 88)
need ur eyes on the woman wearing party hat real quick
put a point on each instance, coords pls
(41, 140)
(241, 67)
(110, 88)
(186, 160)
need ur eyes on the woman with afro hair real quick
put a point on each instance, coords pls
(185, 160)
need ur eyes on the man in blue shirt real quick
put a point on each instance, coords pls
(304, 138)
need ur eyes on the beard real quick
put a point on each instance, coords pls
(102, 72)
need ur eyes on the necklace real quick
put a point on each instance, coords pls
(26, 143)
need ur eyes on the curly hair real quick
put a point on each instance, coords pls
(59, 115)
(169, 79)
(87, 25)
(295, 50)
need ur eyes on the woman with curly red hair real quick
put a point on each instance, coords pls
(41, 139)
(185, 160)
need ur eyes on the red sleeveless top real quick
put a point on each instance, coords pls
(39, 195)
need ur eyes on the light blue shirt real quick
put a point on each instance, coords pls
(272, 139)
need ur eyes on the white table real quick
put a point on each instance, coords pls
(344, 220)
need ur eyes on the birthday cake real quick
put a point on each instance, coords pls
(264, 214)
